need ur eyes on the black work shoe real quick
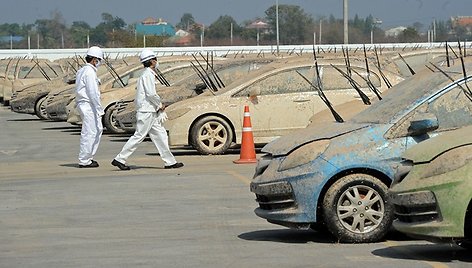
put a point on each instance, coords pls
(176, 165)
(94, 164)
(120, 165)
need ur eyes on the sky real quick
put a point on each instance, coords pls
(392, 13)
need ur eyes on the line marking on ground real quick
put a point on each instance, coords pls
(410, 253)
(240, 177)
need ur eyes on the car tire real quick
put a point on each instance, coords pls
(356, 209)
(40, 108)
(211, 135)
(109, 121)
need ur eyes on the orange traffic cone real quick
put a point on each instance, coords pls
(248, 151)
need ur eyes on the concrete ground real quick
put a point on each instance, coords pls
(53, 214)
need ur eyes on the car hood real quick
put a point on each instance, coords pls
(313, 132)
(428, 150)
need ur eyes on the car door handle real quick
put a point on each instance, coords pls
(233, 105)
(301, 100)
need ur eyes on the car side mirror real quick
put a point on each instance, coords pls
(422, 124)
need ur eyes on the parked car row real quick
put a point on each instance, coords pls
(336, 131)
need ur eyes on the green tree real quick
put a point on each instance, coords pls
(221, 28)
(186, 22)
(409, 35)
(52, 31)
(106, 33)
(79, 31)
(295, 26)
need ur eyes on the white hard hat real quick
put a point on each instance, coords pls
(95, 52)
(146, 55)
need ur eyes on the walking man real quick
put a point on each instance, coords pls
(149, 117)
(89, 107)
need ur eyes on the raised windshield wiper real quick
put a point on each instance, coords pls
(387, 82)
(323, 97)
(113, 73)
(408, 65)
(354, 85)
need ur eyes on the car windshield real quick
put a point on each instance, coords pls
(402, 97)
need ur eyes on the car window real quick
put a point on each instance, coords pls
(128, 78)
(401, 98)
(452, 109)
(286, 81)
(333, 80)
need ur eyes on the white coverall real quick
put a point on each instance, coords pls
(91, 112)
(147, 122)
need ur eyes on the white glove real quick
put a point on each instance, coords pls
(161, 117)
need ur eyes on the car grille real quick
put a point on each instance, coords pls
(416, 207)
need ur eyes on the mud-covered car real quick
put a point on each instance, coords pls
(24, 72)
(279, 99)
(337, 174)
(432, 192)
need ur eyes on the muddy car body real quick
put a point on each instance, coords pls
(31, 99)
(432, 194)
(279, 99)
(337, 174)
(21, 73)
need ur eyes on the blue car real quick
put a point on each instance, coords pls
(336, 175)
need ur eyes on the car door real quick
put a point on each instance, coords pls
(279, 102)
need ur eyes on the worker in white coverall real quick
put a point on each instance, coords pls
(89, 107)
(149, 117)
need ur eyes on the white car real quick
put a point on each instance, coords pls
(279, 100)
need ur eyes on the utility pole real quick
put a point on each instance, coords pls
(319, 42)
(277, 23)
(346, 19)
(231, 33)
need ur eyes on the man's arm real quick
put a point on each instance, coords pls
(150, 91)
(93, 92)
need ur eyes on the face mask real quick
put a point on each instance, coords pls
(99, 62)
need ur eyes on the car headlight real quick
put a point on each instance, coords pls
(304, 154)
(449, 161)
(174, 114)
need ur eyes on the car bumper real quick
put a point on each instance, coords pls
(23, 104)
(430, 212)
(57, 110)
(288, 198)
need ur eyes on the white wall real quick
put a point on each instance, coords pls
(53, 54)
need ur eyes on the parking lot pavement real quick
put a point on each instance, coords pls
(53, 214)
